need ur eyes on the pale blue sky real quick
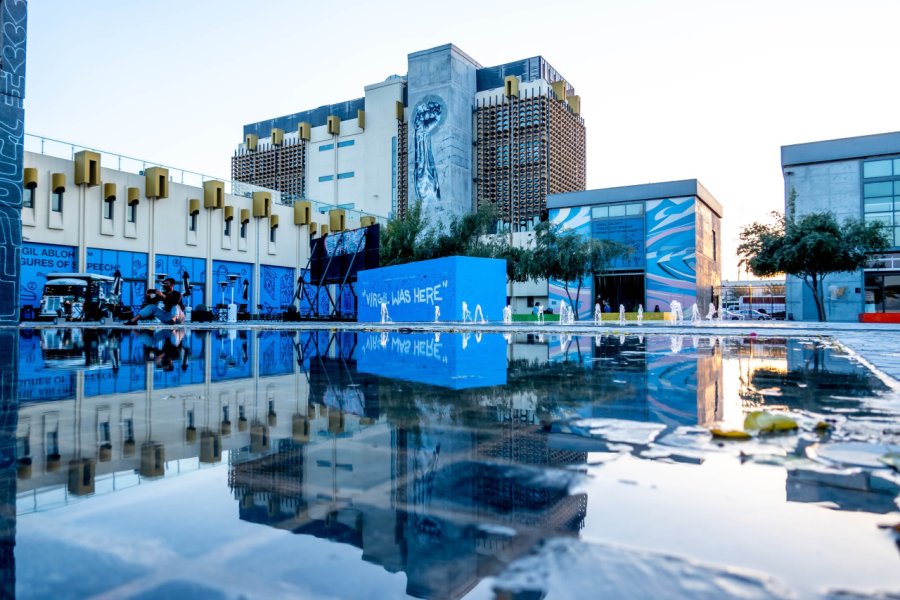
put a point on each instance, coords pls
(706, 89)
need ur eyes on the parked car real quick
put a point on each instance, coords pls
(732, 315)
(751, 314)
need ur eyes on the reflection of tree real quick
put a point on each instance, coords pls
(811, 384)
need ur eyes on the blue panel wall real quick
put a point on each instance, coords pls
(671, 261)
(131, 265)
(37, 261)
(176, 266)
(412, 291)
(458, 361)
(221, 269)
(277, 286)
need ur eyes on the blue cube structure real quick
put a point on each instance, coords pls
(411, 292)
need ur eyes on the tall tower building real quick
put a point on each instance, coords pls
(451, 134)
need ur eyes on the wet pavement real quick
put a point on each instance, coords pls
(554, 462)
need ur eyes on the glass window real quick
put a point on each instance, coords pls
(634, 209)
(897, 166)
(244, 230)
(884, 204)
(272, 234)
(108, 210)
(896, 236)
(192, 224)
(882, 217)
(28, 200)
(132, 213)
(228, 228)
(56, 202)
(882, 188)
(600, 212)
(892, 293)
(897, 188)
(877, 168)
(617, 210)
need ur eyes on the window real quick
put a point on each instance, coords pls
(347, 175)
(132, 212)
(243, 231)
(56, 202)
(108, 210)
(28, 200)
(714, 245)
(881, 195)
(346, 143)
(272, 231)
(192, 224)
(228, 228)
(324, 178)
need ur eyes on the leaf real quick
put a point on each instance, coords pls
(730, 434)
(892, 459)
(763, 421)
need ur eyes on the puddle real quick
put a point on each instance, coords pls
(298, 464)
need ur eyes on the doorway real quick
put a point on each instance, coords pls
(620, 288)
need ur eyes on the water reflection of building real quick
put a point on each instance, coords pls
(447, 486)
(170, 401)
(8, 420)
(675, 380)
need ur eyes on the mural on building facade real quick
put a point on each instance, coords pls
(12, 131)
(427, 116)
(671, 272)
(578, 220)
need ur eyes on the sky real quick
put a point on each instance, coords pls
(688, 89)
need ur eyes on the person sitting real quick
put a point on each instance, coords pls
(171, 312)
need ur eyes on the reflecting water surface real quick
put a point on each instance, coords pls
(244, 463)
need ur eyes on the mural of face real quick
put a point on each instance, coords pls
(428, 114)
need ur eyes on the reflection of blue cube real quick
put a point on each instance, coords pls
(412, 291)
(456, 361)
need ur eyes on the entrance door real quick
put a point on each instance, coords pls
(620, 288)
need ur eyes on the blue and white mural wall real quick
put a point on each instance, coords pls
(441, 88)
(666, 253)
(671, 272)
(579, 220)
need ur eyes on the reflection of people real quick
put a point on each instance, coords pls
(536, 309)
(170, 313)
(606, 307)
(164, 348)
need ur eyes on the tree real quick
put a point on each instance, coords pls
(568, 256)
(810, 248)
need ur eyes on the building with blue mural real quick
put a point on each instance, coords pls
(673, 230)
(451, 133)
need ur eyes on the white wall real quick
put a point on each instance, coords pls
(162, 225)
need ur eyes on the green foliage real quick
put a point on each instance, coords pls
(559, 254)
(810, 247)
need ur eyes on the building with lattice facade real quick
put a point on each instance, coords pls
(450, 133)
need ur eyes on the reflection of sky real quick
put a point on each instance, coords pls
(189, 532)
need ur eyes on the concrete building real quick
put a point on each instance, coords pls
(450, 133)
(855, 177)
(674, 231)
(80, 215)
